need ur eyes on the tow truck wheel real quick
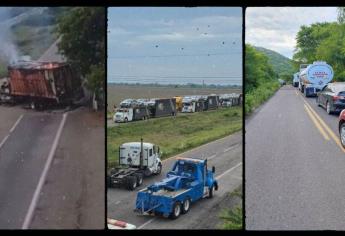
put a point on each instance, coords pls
(159, 169)
(139, 179)
(176, 210)
(210, 193)
(131, 182)
(186, 205)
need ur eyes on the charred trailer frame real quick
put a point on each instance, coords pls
(163, 107)
(43, 83)
(212, 102)
(140, 113)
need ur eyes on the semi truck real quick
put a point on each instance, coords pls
(314, 77)
(179, 103)
(295, 79)
(131, 114)
(212, 102)
(136, 161)
(193, 104)
(160, 107)
(41, 84)
(189, 181)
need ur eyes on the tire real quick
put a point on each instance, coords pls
(318, 102)
(342, 134)
(131, 182)
(126, 120)
(159, 170)
(140, 178)
(176, 211)
(186, 205)
(328, 108)
(211, 191)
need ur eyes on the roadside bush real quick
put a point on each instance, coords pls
(258, 96)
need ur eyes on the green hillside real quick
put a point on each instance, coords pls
(281, 64)
(32, 30)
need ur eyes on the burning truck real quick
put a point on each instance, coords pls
(41, 84)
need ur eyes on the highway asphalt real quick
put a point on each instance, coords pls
(294, 166)
(23, 155)
(225, 154)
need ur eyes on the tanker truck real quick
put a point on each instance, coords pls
(314, 77)
(295, 80)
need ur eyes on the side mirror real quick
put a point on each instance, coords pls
(213, 169)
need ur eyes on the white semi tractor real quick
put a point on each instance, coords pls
(314, 77)
(136, 161)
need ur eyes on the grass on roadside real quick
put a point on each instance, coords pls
(176, 134)
(255, 98)
(232, 219)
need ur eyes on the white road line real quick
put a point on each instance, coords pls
(229, 170)
(15, 124)
(146, 223)
(3, 141)
(211, 157)
(218, 177)
(230, 148)
(204, 145)
(11, 130)
(37, 192)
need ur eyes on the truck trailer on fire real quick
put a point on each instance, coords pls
(41, 84)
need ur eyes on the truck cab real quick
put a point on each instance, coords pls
(188, 181)
(129, 155)
(188, 104)
(123, 115)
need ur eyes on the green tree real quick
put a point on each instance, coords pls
(82, 33)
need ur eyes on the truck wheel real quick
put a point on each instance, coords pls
(342, 134)
(159, 169)
(176, 211)
(186, 205)
(328, 108)
(131, 182)
(210, 193)
(139, 177)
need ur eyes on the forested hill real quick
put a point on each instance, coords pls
(281, 64)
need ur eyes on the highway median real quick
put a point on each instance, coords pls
(178, 134)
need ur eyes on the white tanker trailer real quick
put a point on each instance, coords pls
(315, 77)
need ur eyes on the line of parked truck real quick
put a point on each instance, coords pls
(314, 80)
(188, 181)
(142, 109)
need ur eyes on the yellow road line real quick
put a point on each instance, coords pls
(316, 123)
(330, 132)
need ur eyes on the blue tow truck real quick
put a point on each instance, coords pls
(188, 181)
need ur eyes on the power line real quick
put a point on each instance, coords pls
(173, 55)
(174, 76)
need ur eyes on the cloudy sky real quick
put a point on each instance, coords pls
(275, 28)
(175, 45)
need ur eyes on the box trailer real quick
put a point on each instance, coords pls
(160, 107)
(43, 83)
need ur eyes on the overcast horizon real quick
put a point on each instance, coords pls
(275, 28)
(175, 45)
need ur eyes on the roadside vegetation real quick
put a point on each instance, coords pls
(323, 41)
(175, 134)
(260, 79)
(232, 218)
